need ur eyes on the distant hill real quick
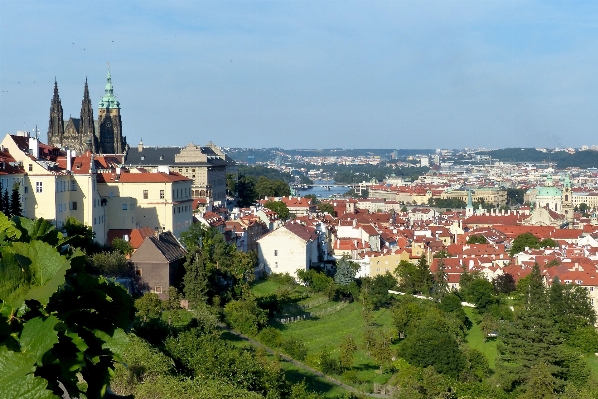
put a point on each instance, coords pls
(269, 154)
(581, 159)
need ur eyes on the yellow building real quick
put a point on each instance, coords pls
(160, 200)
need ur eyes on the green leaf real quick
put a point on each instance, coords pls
(39, 336)
(46, 268)
(16, 378)
(7, 227)
(38, 229)
(117, 343)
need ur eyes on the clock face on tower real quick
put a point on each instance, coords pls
(108, 124)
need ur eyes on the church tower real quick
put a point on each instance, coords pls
(567, 201)
(56, 125)
(469, 208)
(87, 131)
(109, 122)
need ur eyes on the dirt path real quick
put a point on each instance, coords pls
(299, 364)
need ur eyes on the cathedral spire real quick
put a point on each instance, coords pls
(56, 123)
(87, 127)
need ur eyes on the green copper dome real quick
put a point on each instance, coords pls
(549, 190)
(109, 100)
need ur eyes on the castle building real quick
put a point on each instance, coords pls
(101, 136)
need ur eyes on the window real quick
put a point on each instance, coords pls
(161, 194)
(158, 289)
(144, 194)
(74, 205)
(276, 265)
(124, 207)
(38, 186)
(276, 252)
(73, 186)
(26, 189)
(30, 167)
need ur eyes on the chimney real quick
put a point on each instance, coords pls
(69, 159)
(34, 147)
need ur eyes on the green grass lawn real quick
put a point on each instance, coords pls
(264, 287)
(327, 332)
(593, 363)
(475, 340)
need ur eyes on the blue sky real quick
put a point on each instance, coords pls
(311, 74)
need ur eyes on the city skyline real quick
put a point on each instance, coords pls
(311, 75)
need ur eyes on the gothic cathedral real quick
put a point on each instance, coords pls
(101, 136)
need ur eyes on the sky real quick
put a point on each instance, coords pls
(311, 74)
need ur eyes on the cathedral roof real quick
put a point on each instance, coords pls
(109, 100)
(166, 156)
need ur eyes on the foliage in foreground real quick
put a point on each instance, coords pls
(60, 325)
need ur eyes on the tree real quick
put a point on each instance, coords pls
(405, 272)
(522, 241)
(504, 283)
(570, 307)
(477, 239)
(83, 234)
(548, 242)
(60, 324)
(15, 201)
(531, 339)
(245, 316)
(347, 350)
(231, 184)
(6, 202)
(246, 193)
(327, 207)
(429, 347)
(345, 271)
(279, 207)
(122, 246)
(110, 264)
(481, 293)
(424, 280)
(149, 306)
(440, 288)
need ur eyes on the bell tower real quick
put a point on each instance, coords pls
(56, 124)
(567, 201)
(109, 122)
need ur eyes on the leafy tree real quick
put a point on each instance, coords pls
(428, 347)
(522, 241)
(231, 184)
(481, 293)
(83, 235)
(315, 280)
(245, 316)
(149, 306)
(548, 242)
(327, 207)
(279, 207)
(570, 306)
(122, 246)
(347, 350)
(377, 289)
(60, 323)
(246, 192)
(424, 280)
(109, 264)
(504, 283)
(15, 201)
(515, 196)
(477, 239)
(405, 273)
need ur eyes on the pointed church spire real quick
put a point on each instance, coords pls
(56, 124)
(87, 126)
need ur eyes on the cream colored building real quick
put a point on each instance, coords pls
(493, 196)
(56, 186)
(158, 200)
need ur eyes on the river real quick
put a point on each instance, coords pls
(322, 192)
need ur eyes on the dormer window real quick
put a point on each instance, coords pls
(142, 157)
